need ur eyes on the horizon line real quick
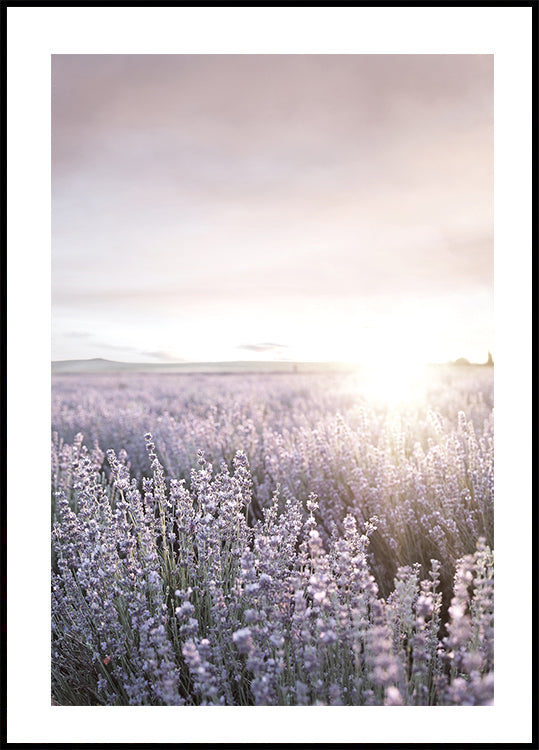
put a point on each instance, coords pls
(458, 360)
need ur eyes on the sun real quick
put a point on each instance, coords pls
(393, 371)
(391, 383)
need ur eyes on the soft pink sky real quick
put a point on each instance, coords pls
(316, 207)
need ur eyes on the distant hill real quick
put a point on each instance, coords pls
(88, 366)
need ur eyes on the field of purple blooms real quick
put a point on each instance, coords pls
(277, 539)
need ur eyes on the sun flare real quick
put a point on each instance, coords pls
(392, 383)
(394, 371)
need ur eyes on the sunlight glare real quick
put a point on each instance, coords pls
(394, 374)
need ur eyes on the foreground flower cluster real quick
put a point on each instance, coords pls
(323, 554)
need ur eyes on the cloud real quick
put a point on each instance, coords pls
(221, 107)
(77, 334)
(116, 347)
(163, 356)
(264, 347)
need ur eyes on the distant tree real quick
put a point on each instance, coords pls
(490, 361)
(462, 362)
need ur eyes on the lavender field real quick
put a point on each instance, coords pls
(272, 539)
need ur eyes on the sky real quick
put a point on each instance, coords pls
(260, 207)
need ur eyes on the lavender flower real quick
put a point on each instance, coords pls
(271, 541)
